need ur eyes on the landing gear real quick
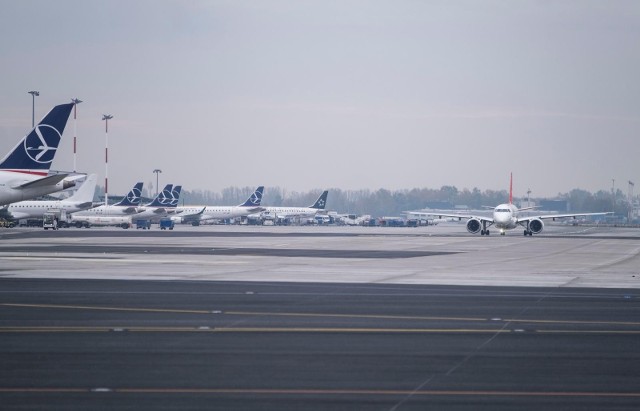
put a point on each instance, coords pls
(502, 232)
(528, 233)
(484, 232)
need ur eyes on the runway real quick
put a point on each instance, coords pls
(565, 256)
(220, 318)
(78, 344)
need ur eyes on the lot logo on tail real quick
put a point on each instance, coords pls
(134, 195)
(36, 145)
(175, 196)
(256, 197)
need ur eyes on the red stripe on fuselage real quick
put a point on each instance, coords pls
(31, 172)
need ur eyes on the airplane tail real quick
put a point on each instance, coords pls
(254, 199)
(175, 196)
(163, 198)
(85, 193)
(511, 189)
(34, 153)
(321, 201)
(132, 199)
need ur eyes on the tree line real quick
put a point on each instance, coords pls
(384, 202)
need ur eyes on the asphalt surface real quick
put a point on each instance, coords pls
(184, 345)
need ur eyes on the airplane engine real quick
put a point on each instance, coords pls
(474, 225)
(536, 225)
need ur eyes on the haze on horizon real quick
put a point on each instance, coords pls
(354, 95)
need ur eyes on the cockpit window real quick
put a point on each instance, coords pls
(502, 210)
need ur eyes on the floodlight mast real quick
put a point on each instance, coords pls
(33, 106)
(106, 118)
(75, 102)
(157, 171)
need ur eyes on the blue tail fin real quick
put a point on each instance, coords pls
(321, 201)
(254, 199)
(35, 152)
(163, 199)
(175, 196)
(132, 199)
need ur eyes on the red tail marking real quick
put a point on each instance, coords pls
(511, 189)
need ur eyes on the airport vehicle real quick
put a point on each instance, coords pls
(143, 224)
(166, 224)
(82, 199)
(24, 172)
(194, 215)
(102, 221)
(164, 204)
(50, 221)
(505, 217)
(280, 213)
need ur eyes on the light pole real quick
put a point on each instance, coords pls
(106, 118)
(157, 171)
(75, 102)
(33, 107)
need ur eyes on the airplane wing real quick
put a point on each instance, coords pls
(43, 182)
(458, 216)
(554, 216)
(85, 205)
(193, 216)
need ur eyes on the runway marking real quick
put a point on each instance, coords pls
(246, 330)
(318, 330)
(320, 315)
(286, 391)
(98, 308)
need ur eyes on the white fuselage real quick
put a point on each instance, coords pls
(36, 209)
(211, 212)
(107, 211)
(11, 179)
(505, 216)
(285, 212)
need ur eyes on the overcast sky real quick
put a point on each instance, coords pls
(347, 94)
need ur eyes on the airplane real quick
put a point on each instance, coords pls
(196, 214)
(24, 171)
(164, 204)
(82, 199)
(287, 212)
(505, 217)
(99, 215)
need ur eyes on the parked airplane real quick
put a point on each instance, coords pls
(110, 214)
(288, 212)
(164, 204)
(82, 199)
(24, 171)
(505, 217)
(197, 214)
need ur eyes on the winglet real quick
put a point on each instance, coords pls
(35, 151)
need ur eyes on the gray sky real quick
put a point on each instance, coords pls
(347, 94)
